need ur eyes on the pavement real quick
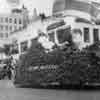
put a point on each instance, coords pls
(9, 92)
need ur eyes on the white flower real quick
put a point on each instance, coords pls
(45, 42)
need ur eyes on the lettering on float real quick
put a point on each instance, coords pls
(42, 67)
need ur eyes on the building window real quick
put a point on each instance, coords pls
(10, 20)
(6, 35)
(6, 20)
(96, 35)
(86, 35)
(24, 46)
(6, 28)
(15, 21)
(10, 28)
(1, 27)
(1, 35)
(1, 19)
(15, 28)
(64, 35)
(20, 22)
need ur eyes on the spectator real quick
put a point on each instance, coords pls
(10, 68)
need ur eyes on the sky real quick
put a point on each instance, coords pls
(41, 6)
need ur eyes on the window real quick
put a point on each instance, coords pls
(51, 36)
(24, 46)
(6, 20)
(1, 27)
(15, 21)
(6, 35)
(15, 28)
(6, 27)
(10, 28)
(86, 35)
(64, 35)
(20, 22)
(96, 35)
(1, 35)
(1, 19)
(10, 20)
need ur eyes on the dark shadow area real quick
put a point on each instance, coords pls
(67, 87)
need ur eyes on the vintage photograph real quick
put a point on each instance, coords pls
(49, 49)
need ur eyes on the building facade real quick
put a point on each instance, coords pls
(84, 31)
(80, 8)
(14, 21)
(21, 40)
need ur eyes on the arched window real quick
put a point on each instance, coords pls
(86, 34)
(64, 35)
(96, 34)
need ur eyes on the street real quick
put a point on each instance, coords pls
(9, 92)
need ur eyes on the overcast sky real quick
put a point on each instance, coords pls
(41, 5)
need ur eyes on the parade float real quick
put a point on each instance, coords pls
(60, 58)
(65, 52)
